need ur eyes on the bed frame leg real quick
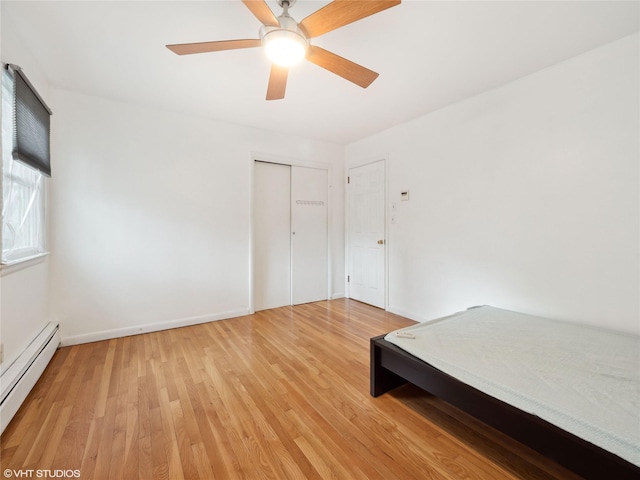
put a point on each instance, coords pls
(382, 380)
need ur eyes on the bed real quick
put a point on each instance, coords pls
(544, 383)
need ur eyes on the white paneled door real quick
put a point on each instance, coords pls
(366, 234)
(290, 235)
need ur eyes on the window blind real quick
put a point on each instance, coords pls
(23, 192)
(32, 123)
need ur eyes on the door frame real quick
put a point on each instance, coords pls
(293, 162)
(384, 158)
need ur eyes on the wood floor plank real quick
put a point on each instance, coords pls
(216, 438)
(103, 457)
(92, 443)
(282, 394)
(145, 463)
(106, 372)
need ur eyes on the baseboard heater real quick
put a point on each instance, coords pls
(19, 378)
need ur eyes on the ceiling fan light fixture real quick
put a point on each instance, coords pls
(284, 47)
(286, 41)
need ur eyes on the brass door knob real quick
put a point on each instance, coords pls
(380, 242)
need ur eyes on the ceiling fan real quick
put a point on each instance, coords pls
(287, 41)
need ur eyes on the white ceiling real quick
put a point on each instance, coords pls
(429, 54)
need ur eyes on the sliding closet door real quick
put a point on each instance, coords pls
(272, 236)
(309, 234)
(290, 235)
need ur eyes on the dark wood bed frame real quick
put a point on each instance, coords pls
(392, 367)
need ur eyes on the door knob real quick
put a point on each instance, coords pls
(380, 242)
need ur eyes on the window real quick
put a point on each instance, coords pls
(23, 183)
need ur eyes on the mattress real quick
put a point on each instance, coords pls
(582, 379)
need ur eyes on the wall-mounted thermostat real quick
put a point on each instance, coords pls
(404, 195)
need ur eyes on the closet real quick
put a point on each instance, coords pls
(290, 235)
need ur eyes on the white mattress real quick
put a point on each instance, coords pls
(584, 380)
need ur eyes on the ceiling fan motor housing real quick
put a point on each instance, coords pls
(286, 23)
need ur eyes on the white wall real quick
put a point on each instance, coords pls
(24, 288)
(525, 197)
(151, 215)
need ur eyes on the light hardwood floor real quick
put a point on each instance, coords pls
(282, 394)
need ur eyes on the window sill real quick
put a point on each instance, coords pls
(16, 265)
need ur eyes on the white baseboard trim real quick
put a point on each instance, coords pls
(18, 380)
(406, 314)
(150, 327)
(336, 295)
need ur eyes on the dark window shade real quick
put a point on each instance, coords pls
(32, 122)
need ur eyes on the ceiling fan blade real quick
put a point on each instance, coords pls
(341, 66)
(262, 12)
(340, 13)
(204, 47)
(277, 82)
